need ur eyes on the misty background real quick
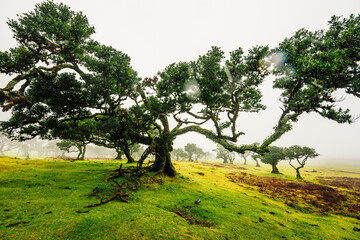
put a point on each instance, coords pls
(155, 33)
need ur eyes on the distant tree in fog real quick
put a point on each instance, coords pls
(68, 146)
(273, 157)
(193, 152)
(299, 155)
(179, 153)
(6, 145)
(224, 154)
(256, 158)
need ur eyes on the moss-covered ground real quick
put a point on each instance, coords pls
(45, 199)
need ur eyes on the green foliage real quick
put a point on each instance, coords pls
(275, 155)
(68, 145)
(52, 33)
(298, 152)
(311, 67)
(94, 77)
(209, 82)
(317, 64)
(64, 145)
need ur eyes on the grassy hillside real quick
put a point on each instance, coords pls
(46, 199)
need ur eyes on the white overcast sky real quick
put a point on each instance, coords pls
(155, 33)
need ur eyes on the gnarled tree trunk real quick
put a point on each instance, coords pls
(126, 150)
(83, 152)
(118, 154)
(298, 176)
(163, 162)
(79, 154)
(275, 169)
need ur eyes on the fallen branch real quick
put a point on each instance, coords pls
(127, 173)
(116, 195)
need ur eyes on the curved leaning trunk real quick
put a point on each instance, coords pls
(119, 153)
(83, 152)
(126, 150)
(298, 176)
(129, 157)
(79, 154)
(118, 156)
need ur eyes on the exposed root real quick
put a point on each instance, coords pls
(127, 172)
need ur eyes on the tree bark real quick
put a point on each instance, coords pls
(126, 150)
(225, 160)
(119, 154)
(297, 169)
(163, 162)
(80, 152)
(83, 152)
(275, 169)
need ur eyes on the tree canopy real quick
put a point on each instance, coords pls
(312, 66)
(66, 85)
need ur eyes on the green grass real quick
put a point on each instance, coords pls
(43, 197)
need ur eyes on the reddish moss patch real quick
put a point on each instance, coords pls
(342, 182)
(229, 166)
(305, 196)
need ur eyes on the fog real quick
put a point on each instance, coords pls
(157, 33)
